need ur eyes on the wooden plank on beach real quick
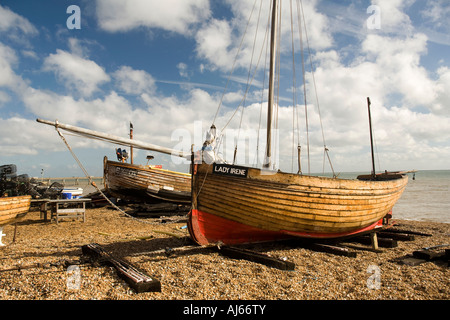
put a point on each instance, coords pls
(382, 242)
(429, 255)
(340, 251)
(238, 253)
(395, 230)
(396, 235)
(328, 247)
(135, 278)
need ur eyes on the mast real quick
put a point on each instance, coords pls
(115, 139)
(273, 40)
(371, 140)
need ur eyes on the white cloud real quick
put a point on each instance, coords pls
(100, 114)
(171, 15)
(393, 17)
(19, 136)
(441, 105)
(133, 81)
(214, 42)
(78, 73)
(11, 23)
(7, 58)
(183, 69)
(399, 61)
(4, 97)
(437, 13)
(219, 40)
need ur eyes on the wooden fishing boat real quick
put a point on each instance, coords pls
(146, 183)
(236, 204)
(13, 209)
(256, 206)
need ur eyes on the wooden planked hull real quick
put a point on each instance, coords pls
(13, 209)
(144, 183)
(264, 206)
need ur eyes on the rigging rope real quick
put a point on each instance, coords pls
(262, 92)
(300, 30)
(294, 101)
(300, 4)
(248, 79)
(304, 40)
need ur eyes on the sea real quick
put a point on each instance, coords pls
(426, 197)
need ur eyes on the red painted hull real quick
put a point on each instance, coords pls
(206, 228)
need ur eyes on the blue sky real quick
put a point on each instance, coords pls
(163, 65)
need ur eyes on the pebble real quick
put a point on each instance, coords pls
(200, 274)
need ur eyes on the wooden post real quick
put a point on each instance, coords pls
(15, 232)
(371, 140)
(374, 240)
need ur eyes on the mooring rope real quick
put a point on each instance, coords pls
(93, 182)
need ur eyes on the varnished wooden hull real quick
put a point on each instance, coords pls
(266, 206)
(13, 209)
(137, 182)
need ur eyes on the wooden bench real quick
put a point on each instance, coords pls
(63, 208)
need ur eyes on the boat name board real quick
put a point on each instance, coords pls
(126, 172)
(229, 170)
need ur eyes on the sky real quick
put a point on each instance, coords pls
(167, 67)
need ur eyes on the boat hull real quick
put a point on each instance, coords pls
(13, 209)
(144, 183)
(263, 205)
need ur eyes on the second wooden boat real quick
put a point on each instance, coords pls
(146, 183)
(137, 182)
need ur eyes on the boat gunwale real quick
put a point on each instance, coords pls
(253, 175)
(147, 168)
